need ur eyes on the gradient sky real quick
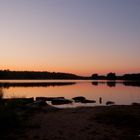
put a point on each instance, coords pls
(77, 36)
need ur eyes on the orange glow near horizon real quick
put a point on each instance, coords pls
(77, 71)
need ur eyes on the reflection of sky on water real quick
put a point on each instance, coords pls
(116, 92)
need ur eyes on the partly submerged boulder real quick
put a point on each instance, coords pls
(88, 101)
(48, 98)
(52, 98)
(136, 104)
(22, 101)
(41, 98)
(60, 101)
(40, 103)
(110, 103)
(79, 99)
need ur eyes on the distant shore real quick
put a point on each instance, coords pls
(45, 75)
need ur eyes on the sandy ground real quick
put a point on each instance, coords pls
(75, 124)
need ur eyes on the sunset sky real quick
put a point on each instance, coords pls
(76, 36)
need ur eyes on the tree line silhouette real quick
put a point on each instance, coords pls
(7, 74)
(113, 76)
(17, 75)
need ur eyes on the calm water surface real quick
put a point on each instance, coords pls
(93, 90)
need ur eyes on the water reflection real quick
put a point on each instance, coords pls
(113, 83)
(100, 91)
(65, 83)
(34, 84)
(95, 83)
(136, 84)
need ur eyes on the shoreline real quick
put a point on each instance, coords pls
(115, 122)
(87, 123)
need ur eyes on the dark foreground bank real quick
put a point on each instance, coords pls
(23, 121)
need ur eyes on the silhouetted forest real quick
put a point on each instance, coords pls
(19, 75)
(113, 76)
(7, 74)
(132, 77)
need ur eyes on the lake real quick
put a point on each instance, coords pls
(122, 93)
